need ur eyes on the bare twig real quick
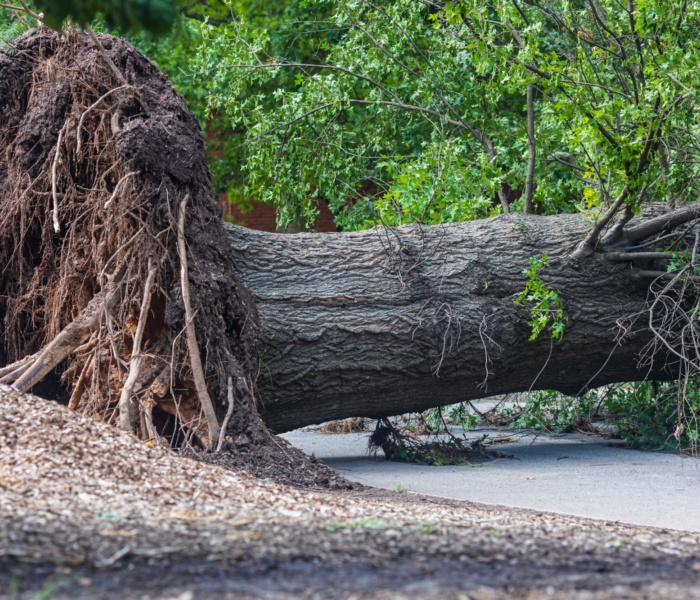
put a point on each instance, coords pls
(677, 82)
(486, 339)
(544, 366)
(670, 323)
(103, 563)
(674, 276)
(23, 9)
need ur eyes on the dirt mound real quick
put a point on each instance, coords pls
(117, 292)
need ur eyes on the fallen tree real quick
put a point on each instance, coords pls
(389, 321)
(121, 285)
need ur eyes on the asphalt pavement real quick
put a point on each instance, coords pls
(571, 474)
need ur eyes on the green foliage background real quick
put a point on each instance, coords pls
(383, 108)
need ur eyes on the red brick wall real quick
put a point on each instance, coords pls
(262, 217)
(324, 222)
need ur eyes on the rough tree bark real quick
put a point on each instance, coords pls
(383, 322)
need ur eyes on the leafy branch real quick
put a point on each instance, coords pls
(546, 306)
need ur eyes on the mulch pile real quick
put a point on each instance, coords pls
(94, 512)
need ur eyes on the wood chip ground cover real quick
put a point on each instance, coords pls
(87, 511)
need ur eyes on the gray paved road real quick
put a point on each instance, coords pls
(570, 474)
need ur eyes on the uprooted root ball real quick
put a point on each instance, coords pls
(116, 281)
(97, 177)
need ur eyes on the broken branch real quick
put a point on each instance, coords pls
(665, 222)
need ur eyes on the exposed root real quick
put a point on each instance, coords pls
(54, 169)
(117, 189)
(227, 418)
(79, 387)
(95, 104)
(11, 372)
(65, 343)
(106, 57)
(127, 411)
(191, 335)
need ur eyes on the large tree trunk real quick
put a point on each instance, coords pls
(388, 321)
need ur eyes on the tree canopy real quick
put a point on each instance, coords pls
(407, 111)
(432, 111)
(403, 111)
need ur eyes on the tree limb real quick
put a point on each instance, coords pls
(664, 222)
(587, 246)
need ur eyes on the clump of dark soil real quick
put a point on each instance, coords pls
(117, 282)
(280, 461)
